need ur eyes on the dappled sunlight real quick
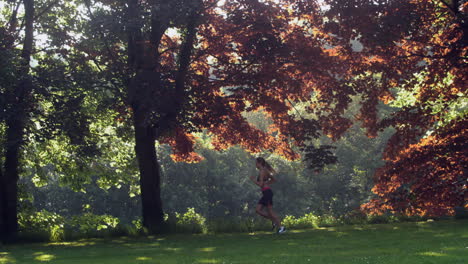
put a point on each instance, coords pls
(298, 231)
(72, 244)
(144, 258)
(212, 261)
(452, 248)
(365, 228)
(155, 244)
(433, 254)
(425, 224)
(207, 249)
(172, 249)
(40, 256)
(5, 257)
(260, 234)
(120, 241)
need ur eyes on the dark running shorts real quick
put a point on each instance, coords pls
(267, 198)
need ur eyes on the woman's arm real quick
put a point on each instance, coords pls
(260, 182)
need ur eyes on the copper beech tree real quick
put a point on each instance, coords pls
(421, 47)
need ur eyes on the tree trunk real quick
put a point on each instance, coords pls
(142, 60)
(144, 87)
(9, 189)
(19, 101)
(150, 180)
(2, 207)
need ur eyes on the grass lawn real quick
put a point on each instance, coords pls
(425, 242)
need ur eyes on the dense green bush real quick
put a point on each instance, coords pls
(306, 221)
(47, 226)
(189, 222)
(40, 226)
(327, 221)
(91, 225)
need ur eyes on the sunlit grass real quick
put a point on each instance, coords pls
(403, 243)
(208, 249)
(435, 254)
(5, 257)
(144, 258)
(44, 257)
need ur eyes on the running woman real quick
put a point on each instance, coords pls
(264, 180)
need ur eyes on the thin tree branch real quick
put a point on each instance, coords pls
(47, 8)
(236, 73)
(422, 56)
(111, 54)
(14, 18)
(168, 49)
(114, 85)
(293, 106)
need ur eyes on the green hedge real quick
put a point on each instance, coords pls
(47, 226)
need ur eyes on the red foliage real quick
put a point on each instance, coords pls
(427, 178)
(252, 55)
(182, 145)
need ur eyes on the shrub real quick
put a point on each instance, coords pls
(378, 219)
(354, 217)
(190, 222)
(41, 226)
(306, 221)
(91, 225)
(327, 221)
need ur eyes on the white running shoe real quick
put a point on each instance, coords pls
(281, 230)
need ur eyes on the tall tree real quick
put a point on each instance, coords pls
(18, 101)
(146, 83)
(43, 101)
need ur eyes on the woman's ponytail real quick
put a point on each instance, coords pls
(265, 164)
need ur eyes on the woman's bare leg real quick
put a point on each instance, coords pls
(259, 210)
(272, 215)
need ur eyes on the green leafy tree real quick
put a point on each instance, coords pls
(18, 106)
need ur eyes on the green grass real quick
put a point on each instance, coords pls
(423, 242)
